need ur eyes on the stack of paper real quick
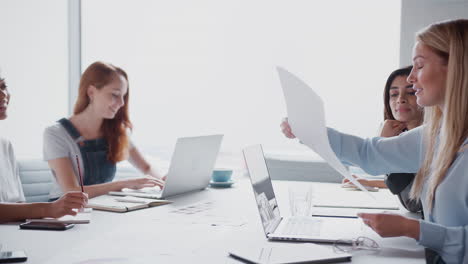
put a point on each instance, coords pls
(83, 217)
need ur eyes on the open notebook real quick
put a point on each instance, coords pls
(81, 218)
(123, 204)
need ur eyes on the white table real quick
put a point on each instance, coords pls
(159, 235)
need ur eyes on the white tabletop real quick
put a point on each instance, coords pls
(226, 218)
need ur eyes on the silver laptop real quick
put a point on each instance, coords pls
(190, 169)
(276, 227)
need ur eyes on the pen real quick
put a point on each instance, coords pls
(79, 173)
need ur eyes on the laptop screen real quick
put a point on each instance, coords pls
(262, 187)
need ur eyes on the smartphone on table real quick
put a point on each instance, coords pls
(12, 256)
(46, 226)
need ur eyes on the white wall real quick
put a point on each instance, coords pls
(417, 14)
(208, 66)
(202, 45)
(33, 60)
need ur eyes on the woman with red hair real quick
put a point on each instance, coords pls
(96, 133)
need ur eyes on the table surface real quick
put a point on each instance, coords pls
(200, 227)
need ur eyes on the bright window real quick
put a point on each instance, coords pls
(34, 63)
(201, 67)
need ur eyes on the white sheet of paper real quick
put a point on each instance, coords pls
(83, 217)
(306, 116)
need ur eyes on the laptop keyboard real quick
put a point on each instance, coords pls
(302, 227)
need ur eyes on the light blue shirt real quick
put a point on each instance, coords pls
(445, 228)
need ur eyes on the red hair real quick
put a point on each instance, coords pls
(113, 130)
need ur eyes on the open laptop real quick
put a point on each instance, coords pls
(190, 169)
(276, 227)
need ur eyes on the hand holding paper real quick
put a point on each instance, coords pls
(306, 116)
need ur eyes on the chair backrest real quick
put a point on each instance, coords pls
(36, 178)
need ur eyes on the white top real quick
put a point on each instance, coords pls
(11, 189)
(59, 144)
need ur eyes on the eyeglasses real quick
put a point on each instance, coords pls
(360, 243)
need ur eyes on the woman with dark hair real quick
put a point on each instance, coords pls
(12, 200)
(401, 113)
(96, 137)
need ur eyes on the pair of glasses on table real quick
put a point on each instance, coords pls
(359, 243)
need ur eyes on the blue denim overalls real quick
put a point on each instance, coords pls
(97, 168)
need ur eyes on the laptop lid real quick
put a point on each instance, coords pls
(262, 188)
(191, 164)
(330, 229)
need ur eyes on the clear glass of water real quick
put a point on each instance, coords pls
(301, 200)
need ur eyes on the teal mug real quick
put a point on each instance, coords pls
(221, 175)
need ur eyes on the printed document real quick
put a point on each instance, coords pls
(306, 116)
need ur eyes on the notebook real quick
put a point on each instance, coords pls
(81, 218)
(328, 195)
(343, 212)
(123, 204)
(292, 253)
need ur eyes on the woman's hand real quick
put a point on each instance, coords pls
(65, 204)
(391, 225)
(391, 128)
(361, 181)
(370, 183)
(143, 182)
(152, 173)
(286, 129)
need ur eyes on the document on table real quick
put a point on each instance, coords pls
(82, 217)
(202, 213)
(332, 196)
(306, 116)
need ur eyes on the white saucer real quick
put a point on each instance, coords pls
(221, 184)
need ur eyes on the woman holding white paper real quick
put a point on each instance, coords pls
(437, 151)
(12, 201)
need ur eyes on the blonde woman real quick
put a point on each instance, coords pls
(437, 151)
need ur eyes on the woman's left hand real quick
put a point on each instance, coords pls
(392, 128)
(158, 177)
(154, 174)
(391, 225)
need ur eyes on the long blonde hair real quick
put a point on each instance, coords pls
(448, 126)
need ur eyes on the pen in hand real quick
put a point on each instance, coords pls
(79, 173)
